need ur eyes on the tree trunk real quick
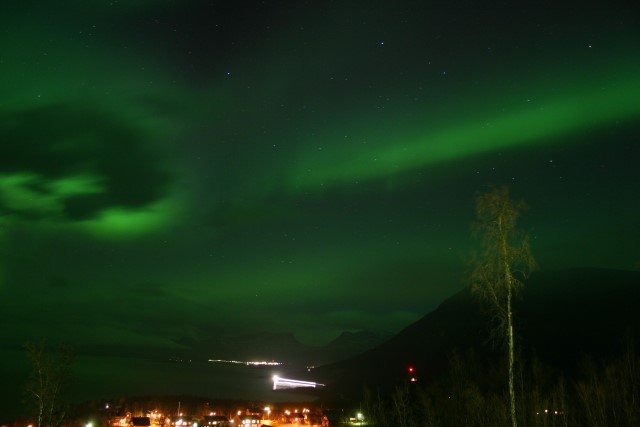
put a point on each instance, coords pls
(40, 412)
(512, 393)
(40, 396)
(509, 285)
(494, 276)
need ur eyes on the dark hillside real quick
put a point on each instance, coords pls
(561, 316)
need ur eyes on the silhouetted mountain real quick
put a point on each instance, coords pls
(352, 342)
(346, 345)
(283, 347)
(560, 316)
(256, 346)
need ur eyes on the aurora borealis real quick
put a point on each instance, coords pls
(181, 169)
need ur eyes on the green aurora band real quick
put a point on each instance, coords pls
(543, 122)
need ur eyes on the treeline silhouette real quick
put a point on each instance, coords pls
(472, 393)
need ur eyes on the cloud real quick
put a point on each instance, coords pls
(64, 162)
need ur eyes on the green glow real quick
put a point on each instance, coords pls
(236, 168)
(17, 193)
(29, 192)
(539, 124)
(118, 223)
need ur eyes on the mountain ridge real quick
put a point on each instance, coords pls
(561, 315)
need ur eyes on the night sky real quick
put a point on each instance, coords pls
(184, 169)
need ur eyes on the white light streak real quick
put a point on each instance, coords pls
(248, 363)
(285, 383)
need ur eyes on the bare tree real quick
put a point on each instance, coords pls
(503, 262)
(402, 406)
(50, 372)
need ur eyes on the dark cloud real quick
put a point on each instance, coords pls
(63, 141)
(61, 283)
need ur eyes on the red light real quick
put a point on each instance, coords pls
(410, 369)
